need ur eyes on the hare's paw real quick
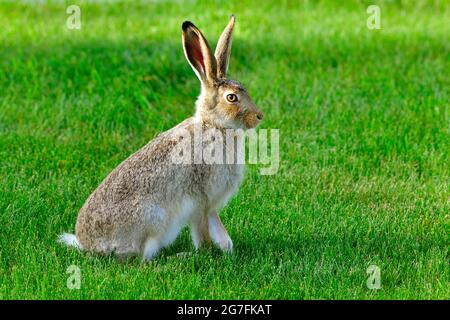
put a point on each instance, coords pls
(218, 233)
(226, 245)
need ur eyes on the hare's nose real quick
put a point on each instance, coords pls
(260, 116)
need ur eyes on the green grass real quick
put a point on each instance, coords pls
(364, 141)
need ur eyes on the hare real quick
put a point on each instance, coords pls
(143, 204)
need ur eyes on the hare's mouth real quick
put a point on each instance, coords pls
(253, 120)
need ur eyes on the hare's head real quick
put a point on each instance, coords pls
(223, 102)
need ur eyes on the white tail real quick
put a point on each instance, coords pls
(69, 240)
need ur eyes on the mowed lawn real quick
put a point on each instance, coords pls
(364, 122)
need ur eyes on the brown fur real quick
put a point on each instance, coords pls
(141, 206)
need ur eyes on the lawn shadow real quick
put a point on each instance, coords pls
(381, 246)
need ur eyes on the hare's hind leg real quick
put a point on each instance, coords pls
(218, 233)
(156, 222)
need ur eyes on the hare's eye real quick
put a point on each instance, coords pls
(231, 97)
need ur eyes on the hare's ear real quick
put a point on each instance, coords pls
(198, 53)
(223, 49)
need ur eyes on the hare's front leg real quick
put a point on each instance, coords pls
(199, 230)
(151, 248)
(218, 233)
(207, 227)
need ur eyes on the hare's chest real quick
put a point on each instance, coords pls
(223, 183)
